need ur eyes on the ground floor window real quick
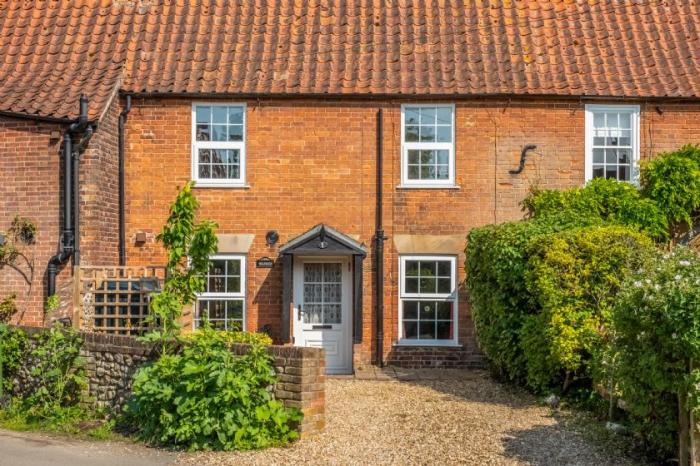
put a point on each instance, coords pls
(428, 300)
(223, 301)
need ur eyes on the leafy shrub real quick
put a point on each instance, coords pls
(189, 244)
(8, 308)
(609, 200)
(235, 336)
(574, 276)
(58, 372)
(496, 263)
(657, 324)
(13, 344)
(672, 179)
(207, 398)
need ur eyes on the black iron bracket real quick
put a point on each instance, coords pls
(527, 148)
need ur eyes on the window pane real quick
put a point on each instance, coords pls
(217, 267)
(599, 120)
(313, 314)
(218, 171)
(217, 309)
(444, 115)
(426, 330)
(411, 285)
(443, 157)
(598, 155)
(625, 138)
(219, 115)
(427, 116)
(233, 284)
(235, 115)
(204, 171)
(203, 132)
(611, 120)
(410, 309)
(411, 115)
(444, 268)
(235, 309)
(218, 133)
(313, 272)
(624, 155)
(428, 268)
(203, 114)
(623, 173)
(216, 285)
(410, 330)
(444, 310)
(233, 267)
(332, 273)
(610, 155)
(598, 172)
(234, 172)
(625, 120)
(411, 268)
(427, 134)
(442, 172)
(331, 314)
(427, 310)
(313, 293)
(414, 157)
(444, 285)
(235, 133)
(428, 285)
(427, 173)
(413, 172)
(611, 172)
(444, 134)
(444, 331)
(204, 156)
(412, 133)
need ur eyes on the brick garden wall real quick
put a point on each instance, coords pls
(312, 161)
(112, 360)
(30, 186)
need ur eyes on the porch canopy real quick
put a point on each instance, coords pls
(322, 240)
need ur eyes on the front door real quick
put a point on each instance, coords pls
(322, 291)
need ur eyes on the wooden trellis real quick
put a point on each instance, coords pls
(115, 300)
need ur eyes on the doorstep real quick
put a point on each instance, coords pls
(390, 373)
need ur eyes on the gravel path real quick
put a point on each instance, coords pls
(463, 419)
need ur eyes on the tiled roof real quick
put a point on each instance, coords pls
(53, 50)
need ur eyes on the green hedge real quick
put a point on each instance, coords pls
(497, 257)
(574, 277)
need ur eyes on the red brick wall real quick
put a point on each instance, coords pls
(30, 187)
(312, 161)
(99, 193)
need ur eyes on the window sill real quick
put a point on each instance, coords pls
(427, 343)
(202, 184)
(428, 186)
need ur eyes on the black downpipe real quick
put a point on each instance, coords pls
(379, 251)
(68, 244)
(122, 213)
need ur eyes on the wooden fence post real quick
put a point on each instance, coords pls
(684, 430)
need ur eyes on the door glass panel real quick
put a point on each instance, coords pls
(322, 293)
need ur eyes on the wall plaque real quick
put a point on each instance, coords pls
(264, 263)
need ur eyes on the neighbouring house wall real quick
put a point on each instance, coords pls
(30, 186)
(99, 193)
(112, 360)
(313, 161)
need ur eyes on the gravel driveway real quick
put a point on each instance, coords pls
(455, 417)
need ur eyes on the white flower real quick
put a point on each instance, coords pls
(684, 263)
(674, 336)
(677, 277)
(638, 284)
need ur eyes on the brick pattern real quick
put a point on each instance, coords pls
(408, 357)
(112, 361)
(313, 161)
(99, 188)
(30, 186)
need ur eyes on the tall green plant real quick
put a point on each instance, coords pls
(13, 344)
(188, 243)
(672, 179)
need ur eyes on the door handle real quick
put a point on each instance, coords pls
(299, 312)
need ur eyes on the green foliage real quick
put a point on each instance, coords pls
(53, 302)
(235, 336)
(497, 257)
(575, 276)
(22, 229)
(13, 344)
(672, 179)
(188, 244)
(606, 199)
(657, 323)
(8, 308)
(58, 372)
(207, 398)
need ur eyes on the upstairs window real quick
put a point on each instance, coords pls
(428, 300)
(218, 148)
(427, 145)
(222, 303)
(612, 142)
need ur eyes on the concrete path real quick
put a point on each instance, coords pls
(31, 449)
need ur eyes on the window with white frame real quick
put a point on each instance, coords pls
(427, 144)
(222, 303)
(218, 147)
(612, 141)
(428, 300)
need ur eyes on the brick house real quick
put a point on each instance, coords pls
(345, 148)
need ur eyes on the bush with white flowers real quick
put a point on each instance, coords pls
(657, 343)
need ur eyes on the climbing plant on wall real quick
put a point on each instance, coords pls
(15, 254)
